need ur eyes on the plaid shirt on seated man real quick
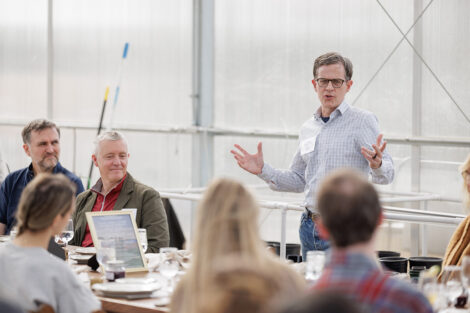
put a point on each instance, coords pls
(357, 275)
(351, 213)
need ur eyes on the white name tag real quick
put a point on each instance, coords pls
(308, 135)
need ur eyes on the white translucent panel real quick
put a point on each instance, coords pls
(11, 148)
(23, 58)
(396, 236)
(442, 165)
(89, 38)
(158, 160)
(446, 47)
(265, 52)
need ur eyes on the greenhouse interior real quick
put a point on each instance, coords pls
(184, 81)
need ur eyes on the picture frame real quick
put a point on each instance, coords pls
(121, 227)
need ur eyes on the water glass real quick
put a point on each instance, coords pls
(105, 252)
(13, 233)
(169, 268)
(167, 252)
(66, 234)
(143, 238)
(452, 282)
(466, 271)
(315, 264)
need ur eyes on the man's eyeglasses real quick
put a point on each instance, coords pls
(336, 82)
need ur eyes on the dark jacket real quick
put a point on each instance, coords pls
(13, 185)
(150, 212)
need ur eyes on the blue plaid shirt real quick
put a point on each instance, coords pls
(337, 145)
(358, 276)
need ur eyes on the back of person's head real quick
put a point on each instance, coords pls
(227, 222)
(45, 197)
(237, 286)
(349, 207)
(465, 171)
(323, 302)
(37, 125)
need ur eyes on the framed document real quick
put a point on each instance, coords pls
(120, 227)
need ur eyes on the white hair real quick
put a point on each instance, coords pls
(109, 135)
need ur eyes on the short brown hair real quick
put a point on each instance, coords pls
(45, 197)
(37, 125)
(349, 207)
(333, 58)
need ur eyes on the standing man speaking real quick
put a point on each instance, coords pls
(337, 136)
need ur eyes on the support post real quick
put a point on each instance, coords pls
(203, 93)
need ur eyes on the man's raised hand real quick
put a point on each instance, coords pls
(252, 163)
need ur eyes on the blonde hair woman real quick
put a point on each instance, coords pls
(459, 244)
(465, 171)
(227, 225)
(29, 274)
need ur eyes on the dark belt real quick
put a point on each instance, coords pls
(312, 215)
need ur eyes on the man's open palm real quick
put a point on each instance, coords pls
(252, 163)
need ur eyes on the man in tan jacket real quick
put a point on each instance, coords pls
(116, 189)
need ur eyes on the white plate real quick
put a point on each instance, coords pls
(141, 280)
(4, 238)
(87, 250)
(125, 289)
(81, 259)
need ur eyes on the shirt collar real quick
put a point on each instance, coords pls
(99, 186)
(57, 169)
(341, 109)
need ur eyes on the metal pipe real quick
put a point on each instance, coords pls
(283, 208)
(391, 211)
(422, 219)
(434, 141)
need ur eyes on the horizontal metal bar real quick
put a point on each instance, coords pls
(218, 131)
(422, 219)
(420, 212)
(390, 213)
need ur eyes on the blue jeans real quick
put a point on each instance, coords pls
(309, 237)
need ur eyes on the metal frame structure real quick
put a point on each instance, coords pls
(390, 213)
(203, 131)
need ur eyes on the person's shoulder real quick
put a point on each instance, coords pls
(143, 188)
(66, 172)
(403, 294)
(12, 179)
(82, 197)
(16, 174)
(359, 112)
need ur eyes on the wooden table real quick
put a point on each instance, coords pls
(112, 305)
(117, 305)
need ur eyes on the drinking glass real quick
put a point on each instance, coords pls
(166, 252)
(105, 251)
(143, 238)
(315, 264)
(435, 295)
(169, 267)
(466, 271)
(13, 233)
(66, 234)
(452, 282)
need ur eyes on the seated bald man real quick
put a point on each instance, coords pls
(117, 189)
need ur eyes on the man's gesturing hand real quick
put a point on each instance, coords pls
(252, 163)
(375, 156)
